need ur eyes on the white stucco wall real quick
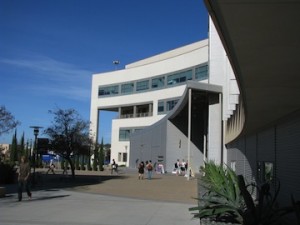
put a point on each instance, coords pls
(163, 64)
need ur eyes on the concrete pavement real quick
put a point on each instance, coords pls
(93, 204)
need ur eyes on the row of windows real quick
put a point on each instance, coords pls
(124, 134)
(165, 106)
(201, 73)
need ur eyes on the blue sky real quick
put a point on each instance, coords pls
(49, 49)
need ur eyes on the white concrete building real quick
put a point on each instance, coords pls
(152, 99)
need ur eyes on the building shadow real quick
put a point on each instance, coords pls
(54, 182)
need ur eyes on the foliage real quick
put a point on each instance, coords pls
(265, 210)
(14, 148)
(77, 162)
(22, 146)
(228, 200)
(7, 121)
(101, 156)
(222, 201)
(82, 166)
(69, 135)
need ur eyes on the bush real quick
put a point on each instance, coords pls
(227, 199)
(7, 173)
(222, 200)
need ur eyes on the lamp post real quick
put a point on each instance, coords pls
(36, 130)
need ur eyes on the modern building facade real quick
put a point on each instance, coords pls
(170, 106)
(145, 92)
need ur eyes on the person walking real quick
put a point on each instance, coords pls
(23, 178)
(177, 167)
(51, 167)
(141, 170)
(149, 167)
(114, 167)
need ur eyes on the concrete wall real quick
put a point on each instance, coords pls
(278, 144)
(148, 144)
(177, 148)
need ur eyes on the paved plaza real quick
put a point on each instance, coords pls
(103, 199)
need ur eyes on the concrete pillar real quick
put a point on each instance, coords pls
(215, 129)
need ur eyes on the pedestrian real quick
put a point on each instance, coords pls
(183, 166)
(114, 167)
(149, 167)
(51, 167)
(24, 178)
(141, 170)
(177, 167)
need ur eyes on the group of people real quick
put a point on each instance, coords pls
(145, 166)
(180, 167)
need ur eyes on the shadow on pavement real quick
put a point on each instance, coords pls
(54, 182)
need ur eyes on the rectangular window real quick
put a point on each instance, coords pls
(142, 85)
(161, 107)
(127, 88)
(201, 73)
(125, 157)
(158, 82)
(171, 104)
(110, 90)
(180, 77)
(124, 135)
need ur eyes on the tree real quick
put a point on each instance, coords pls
(69, 135)
(7, 121)
(14, 148)
(22, 146)
(101, 156)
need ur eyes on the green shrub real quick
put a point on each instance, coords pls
(222, 200)
(227, 199)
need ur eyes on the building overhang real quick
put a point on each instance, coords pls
(196, 86)
(262, 40)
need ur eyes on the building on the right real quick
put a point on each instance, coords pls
(262, 42)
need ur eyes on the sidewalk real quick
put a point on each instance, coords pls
(105, 200)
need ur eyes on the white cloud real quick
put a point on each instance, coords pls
(54, 77)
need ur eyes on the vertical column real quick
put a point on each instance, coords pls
(150, 109)
(189, 134)
(134, 111)
(215, 129)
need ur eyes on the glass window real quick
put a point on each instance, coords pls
(110, 90)
(158, 82)
(125, 157)
(161, 107)
(142, 85)
(127, 88)
(171, 104)
(124, 135)
(180, 77)
(201, 73)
